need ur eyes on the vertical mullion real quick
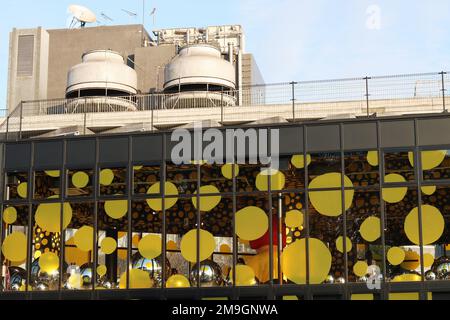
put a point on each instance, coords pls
(96, 193)
(163, 207)
(417, 173)
(2, 194)
(269, 192)
(199, 221)
(130, 182)
(62, 194)
(235, 244)
(305, 156)
(30, 221)
(381, 172)
(344, 212)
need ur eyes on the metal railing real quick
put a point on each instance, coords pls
(293, 101)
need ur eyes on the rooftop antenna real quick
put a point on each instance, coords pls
(131, 14)
(105, 16)
(153, 14)
(82, 15)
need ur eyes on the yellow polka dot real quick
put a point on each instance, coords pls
(49, 262)
(277, 180)
(101, 270)
(429, 190)
(53, 173)
(84, 238)
(362, 296)
(329, 203)
(430, 159)
(294, 261)
(394, 195)
(14, 247)
(298, 161)
(290, 298)
(171, 245)
(139, 279)
(407, 278)
(227, 170)
(106, 177)
(137, 168)
(340, 244)
(428, 260)
(37, 254)
(372, 158)
(170, 190)
(150, 246)
(245, 276)
(370, 229)
(251, 223)
(360, 268)
(189, 245)
(48, 216)
(116, 209)
(412, 260)
(207, 203)
(10, 215)
(178, 281)
(294, 219)
(22, 190)
(80, 179)
(108, 245)
(432, 221)
(396, 256)
(225, 248)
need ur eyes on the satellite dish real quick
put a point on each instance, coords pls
(81, 14)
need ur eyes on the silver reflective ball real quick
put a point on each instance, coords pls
(441, 267)
(340, 280)
(17, 276)
(51, 281)
(430, 275)
(329, 279)
(42, 286)
(15, 287)
(210, 274)
(363, 279)
(153, 266)
(86, 274)
(107, 285)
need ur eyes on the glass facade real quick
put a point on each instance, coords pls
(330, 222)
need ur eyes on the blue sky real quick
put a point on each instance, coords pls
(291, 39)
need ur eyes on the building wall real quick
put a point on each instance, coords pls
(68, 45)
(251, 76)
(32, 84)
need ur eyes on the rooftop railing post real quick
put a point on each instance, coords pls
(221, 107)
(293, 83)
(84, 124)
(152, 108)
(20, 120)
(367, 95)
(443, 73)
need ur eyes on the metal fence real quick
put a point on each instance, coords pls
(291, 101)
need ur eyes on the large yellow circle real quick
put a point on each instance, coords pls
(207, 203)
(329, 203)
(430, 159)
(370, 229)
(80, 179)
(49, 262)
(360, 268)
(116, 209)
(108, 245)
(189, 245)
(340, 244)
(429, 190)
(10, 215)
(433, 225)
(396, 256)
(84, 238)
(178, 281)
(106, 177)
(294, 261)
(394, 195)
(170, 190)
(48, 216)
(150, 246)
(227, 170)
(53, 173)
(171, 245)
(245, 276)
(428, 260)
(277, 180)
(294, 219)
(14, 247)
(22, 190)
(251, 223)
(298, 160)
(372, 158)
(139, 279)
